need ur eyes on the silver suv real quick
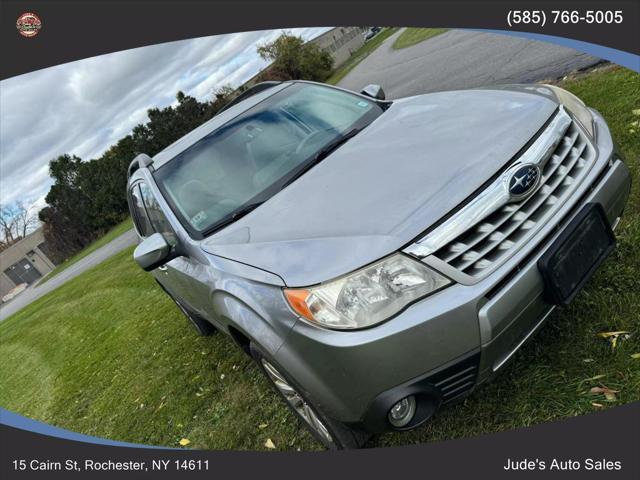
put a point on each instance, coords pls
(379, 259)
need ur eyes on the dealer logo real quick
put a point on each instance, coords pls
(28, 24)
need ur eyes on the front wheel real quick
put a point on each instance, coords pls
(332, 434)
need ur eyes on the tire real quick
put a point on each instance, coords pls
(332, 434)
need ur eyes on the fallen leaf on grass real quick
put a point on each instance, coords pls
(597, 405)
(609, 394)
(263, 425)
(602, 390)
(588, 360)
(613, 336)
(184, 442)
(269, 444)
(635, 356)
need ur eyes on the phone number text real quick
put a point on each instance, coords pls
(540, 17)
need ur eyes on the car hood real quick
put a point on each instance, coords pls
(384, 187)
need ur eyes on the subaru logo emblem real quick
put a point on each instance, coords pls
(524, 180)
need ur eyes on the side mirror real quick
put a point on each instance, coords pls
(373, 91)
(152, 252)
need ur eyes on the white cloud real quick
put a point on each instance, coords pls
(84, 107)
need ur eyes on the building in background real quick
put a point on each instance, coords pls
(341, 42)
(24, 262)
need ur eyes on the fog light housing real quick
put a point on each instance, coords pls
(402, 412)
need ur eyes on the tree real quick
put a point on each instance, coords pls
(67, 206)
(15, 222)
(89, 197)
(293, 59)
(222, 96)
(166, 125)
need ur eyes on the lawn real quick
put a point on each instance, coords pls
(360, 55)
(413, 36)
(108, 354)
(92, 247)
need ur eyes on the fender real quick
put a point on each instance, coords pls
(269, 333)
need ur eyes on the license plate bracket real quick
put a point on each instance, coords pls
(576, 254)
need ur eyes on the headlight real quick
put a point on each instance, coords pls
(575, 106)
(368, 296)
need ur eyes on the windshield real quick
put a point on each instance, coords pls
(252, 157)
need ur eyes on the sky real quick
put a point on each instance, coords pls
(83, 107)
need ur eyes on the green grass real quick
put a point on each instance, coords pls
(108, 354)
(360, 55)
(116, 231)
(413, 36)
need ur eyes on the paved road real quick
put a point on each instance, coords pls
(463, 59)
(455, 59)
(29, 295)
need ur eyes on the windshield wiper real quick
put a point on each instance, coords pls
(321, 154)
(232, 217)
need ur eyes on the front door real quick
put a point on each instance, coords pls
(180, 275)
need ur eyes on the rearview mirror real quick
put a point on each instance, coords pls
(152, 252)
(373, 91)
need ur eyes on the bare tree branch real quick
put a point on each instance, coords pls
(16, 220)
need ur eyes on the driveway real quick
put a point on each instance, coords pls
(463, 59)
(94, 258)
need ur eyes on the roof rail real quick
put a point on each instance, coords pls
(142, 160)
(251, 91)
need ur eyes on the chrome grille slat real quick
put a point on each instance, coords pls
(492, 239)
(537, 200)
(547, 175)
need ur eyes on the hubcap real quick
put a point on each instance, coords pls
(296, 401)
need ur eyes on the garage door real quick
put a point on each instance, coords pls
(22, 272)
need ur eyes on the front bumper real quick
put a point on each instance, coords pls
(443, 346)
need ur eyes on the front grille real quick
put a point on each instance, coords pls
(485, 245)
(457, 380)
(561, 224)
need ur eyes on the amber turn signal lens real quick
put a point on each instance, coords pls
(296, 299)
